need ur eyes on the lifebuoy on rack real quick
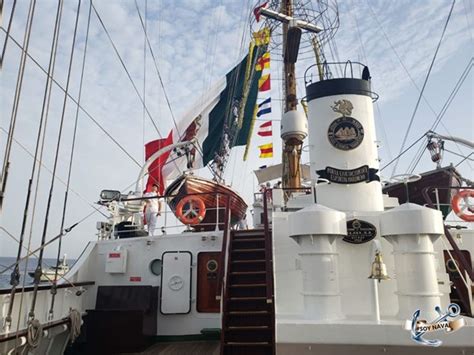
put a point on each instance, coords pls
(191, 210)
(466, 212)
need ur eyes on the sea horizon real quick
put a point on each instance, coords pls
(7, 261)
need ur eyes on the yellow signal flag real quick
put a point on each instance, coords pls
(264, 83)
(266, 150)
(262, 37)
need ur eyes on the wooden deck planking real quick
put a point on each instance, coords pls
(183, 348)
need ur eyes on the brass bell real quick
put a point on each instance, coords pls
(379, 270)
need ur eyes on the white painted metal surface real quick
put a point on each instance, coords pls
(294, 124)
(116, 262)
(359, 196)
(412, 230)
(176, 283)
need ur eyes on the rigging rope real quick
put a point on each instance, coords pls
(41, 132)
(115, 141)
(75, 326)
(384, 132)
(51, 187)
(16, 100)
(129, 75)
(34, 334)
(465, 158)
(374, 15)
(56, 177)
(144, 73)
(126, 69)
(52, 240)
(4, 49)
(15, 276)
(403, 152)
(442, 112)
(424, 85)
(147, 40)
(73, 145)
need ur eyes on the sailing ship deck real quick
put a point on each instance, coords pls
(184, 348)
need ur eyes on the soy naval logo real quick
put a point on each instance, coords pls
(345, 132)
(420, 328)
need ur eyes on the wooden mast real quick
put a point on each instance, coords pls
(291, 174)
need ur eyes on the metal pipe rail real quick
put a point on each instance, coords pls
(223, 256)
(268, 247)
(464, 263)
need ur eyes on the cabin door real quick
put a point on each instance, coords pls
(176, 283)
(208, 269)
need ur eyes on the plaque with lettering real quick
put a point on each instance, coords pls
(352, 176)
(359, 232)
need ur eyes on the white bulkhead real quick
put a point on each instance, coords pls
(342, 143)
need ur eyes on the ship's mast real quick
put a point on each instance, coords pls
(291, 174)
(296, 22)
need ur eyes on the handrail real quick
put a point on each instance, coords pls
(464, 263)
(268, 247)
(5, 291)
(225, 238)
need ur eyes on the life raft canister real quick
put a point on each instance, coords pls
(191, 210)
(461, 212)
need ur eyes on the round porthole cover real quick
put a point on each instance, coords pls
(155, 266)
(212, 265)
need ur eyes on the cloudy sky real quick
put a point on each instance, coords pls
(195, 43)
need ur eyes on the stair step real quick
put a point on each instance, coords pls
(241, 343)
(248, 272)
(248, 231)
(248, 327)
(248, 285)
(256, 298)
(248, 261)
(247, 250)
(240, 240)
(246, 313)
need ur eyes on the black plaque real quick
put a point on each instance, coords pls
(345, 133)
(359, 232)
(351, 176)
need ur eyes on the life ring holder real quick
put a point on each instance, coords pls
(460, 211)
(191, 210)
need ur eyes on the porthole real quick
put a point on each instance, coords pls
(451, 265)
(211, 265)
(155, 267)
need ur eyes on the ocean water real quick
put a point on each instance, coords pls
(32, 262)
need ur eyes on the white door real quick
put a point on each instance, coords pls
(176, 283)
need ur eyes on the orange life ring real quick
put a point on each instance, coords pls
(191, 210)
(460, 211)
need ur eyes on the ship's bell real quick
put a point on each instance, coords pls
(379, 269)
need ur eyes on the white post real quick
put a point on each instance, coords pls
(376, 300)
(217, 213)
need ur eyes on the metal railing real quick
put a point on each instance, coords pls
(462, 260)
(133, 216)
(221, 284)
(268, 247)
(346, 70)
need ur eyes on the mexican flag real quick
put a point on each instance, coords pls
(219, 120)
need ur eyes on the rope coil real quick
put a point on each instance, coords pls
(34, 333)
(75, 326)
